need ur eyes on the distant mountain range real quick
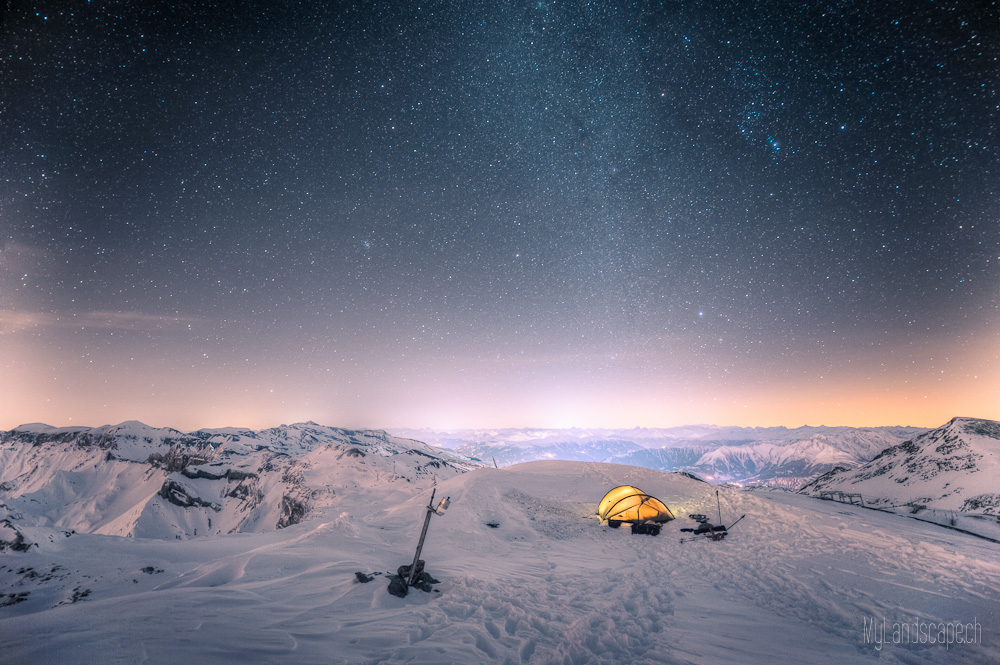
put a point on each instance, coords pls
(775, 456)
(135, 480)
(954, 468)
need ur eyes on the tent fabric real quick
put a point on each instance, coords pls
(637, 508)
(627, 504)
(615, 495)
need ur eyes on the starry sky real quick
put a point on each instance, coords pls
(481, 214)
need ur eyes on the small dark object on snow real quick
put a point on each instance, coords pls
(404, 571)
(364, 579)
(646, 529)
(614, 524)
(708, 527)
(493, 525)
(711, 531)
(397, 586)
(424, 582)
(698, 517)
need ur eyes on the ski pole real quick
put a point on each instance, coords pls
(735, 523)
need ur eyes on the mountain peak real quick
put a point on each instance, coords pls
(951, 468)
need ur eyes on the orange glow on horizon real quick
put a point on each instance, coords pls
(862, 390)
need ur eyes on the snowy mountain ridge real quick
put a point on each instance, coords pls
(953, 468)
(776, 456)
(131, 479)
(647, 437)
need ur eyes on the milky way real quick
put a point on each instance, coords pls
(462, 214)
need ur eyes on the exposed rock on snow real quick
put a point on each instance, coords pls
(11, 539)
(952, 468)
(179, 495)
(135, 480)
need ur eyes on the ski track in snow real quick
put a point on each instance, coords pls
(793, 581)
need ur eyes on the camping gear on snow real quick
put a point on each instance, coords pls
(706, 528)
(630, 505)
(710, 531)
(646, 528)
(413, 574)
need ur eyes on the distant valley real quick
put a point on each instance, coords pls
(773, 456)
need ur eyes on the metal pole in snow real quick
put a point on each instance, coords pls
(719, 504)
(736, 522)
(420, 545)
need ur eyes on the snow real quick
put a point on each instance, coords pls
(132, 480)
(788, 458)
(658, 437)
(947, 475)
(794, 582)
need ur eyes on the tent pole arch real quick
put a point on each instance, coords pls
(638, 508)
(613, 496)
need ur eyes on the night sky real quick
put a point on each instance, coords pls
(480, 214)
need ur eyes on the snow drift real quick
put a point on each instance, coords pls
(528, 574)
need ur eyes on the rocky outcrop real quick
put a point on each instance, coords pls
(179, 495)
(135, 480)
(11, 539)
(951, 468)
(292, 511)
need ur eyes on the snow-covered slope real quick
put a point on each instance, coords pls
(948, 475)
(527, 575)
(776, 456)
(790, 464)
(953, 468)
(135, 480)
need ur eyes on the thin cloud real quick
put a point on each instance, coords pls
(14, 321)
(18, 257)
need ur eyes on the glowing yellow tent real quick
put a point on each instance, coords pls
(627, 504)
(612, 497)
